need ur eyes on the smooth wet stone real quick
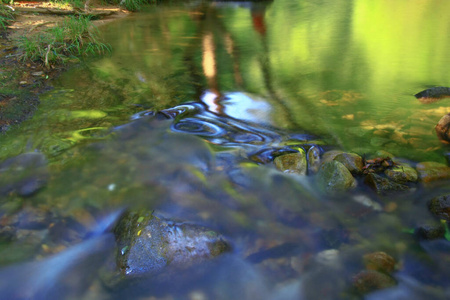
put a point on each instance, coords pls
(402, 174)
(313, 157)
(440, 207)
(370, 280)
(353, 162)
(443, 129)
(147, 245)
(334, 176)
(294, 163)
(432, 171)
(379, 261)
(24, 174)
(383, 185)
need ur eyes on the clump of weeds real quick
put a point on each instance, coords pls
(73, 38)
(6, 16)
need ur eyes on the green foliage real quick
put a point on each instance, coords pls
(75, 37)
(133, 5)
(73, 3)
(6, 16)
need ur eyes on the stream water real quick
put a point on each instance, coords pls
(184, 118)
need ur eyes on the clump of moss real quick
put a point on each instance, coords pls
(74, 37)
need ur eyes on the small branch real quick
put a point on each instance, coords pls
(46, 56)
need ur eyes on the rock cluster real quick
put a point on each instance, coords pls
(338, 171)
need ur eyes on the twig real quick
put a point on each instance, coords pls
(46, 55)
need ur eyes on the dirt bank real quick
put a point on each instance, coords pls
(21, 82)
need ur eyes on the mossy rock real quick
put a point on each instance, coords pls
(402, 174)
(292, 163)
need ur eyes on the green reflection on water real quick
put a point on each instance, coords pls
(342, 69)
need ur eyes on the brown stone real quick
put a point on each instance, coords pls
(443, 129)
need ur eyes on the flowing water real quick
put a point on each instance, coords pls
(185, 116)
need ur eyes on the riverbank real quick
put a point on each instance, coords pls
(21, 81)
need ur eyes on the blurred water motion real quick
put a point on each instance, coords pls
(66, 275)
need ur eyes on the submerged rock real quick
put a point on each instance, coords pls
(383, 185)
(334, 176)
(292, 162)
(379, 261)
(370, 280)
(353, 162)
(432, 171)
(430, 232)
(443, 129)
(24, 174)
(147, 245)
(440, 207)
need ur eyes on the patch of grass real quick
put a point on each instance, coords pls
(69, 3)
(75, 37)
(6, 16)
(133, 5)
